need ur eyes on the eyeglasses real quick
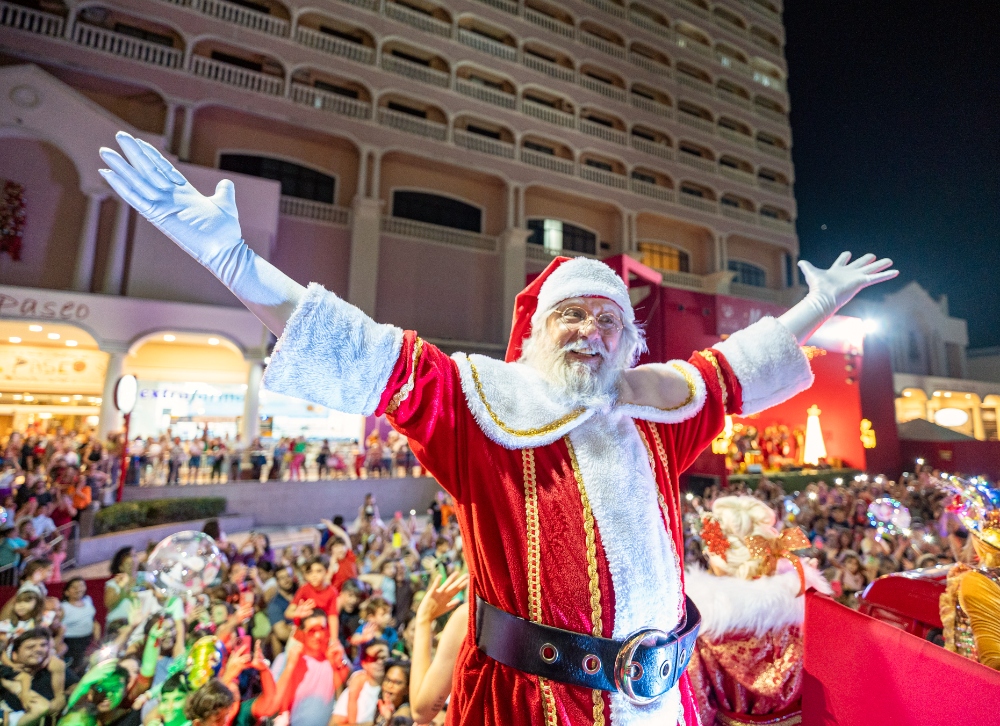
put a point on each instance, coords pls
(574, 317)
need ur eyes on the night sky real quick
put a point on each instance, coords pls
(896, 142)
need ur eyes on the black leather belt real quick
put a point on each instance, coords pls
(642, 667)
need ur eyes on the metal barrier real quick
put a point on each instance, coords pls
(69, 533)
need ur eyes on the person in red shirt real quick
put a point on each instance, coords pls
(343, 561)
(317, 593)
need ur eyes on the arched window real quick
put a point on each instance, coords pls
(748, 274)
(296, 180)
(556, 235)
(664, 257)
(436, 209)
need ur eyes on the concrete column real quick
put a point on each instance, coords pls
(977, 422)
(250, 425)
(513, 243)
(721, 254)
(169, 124)
(114, 273)
(362, 281)
(362, 190)
(184, 144)
(376, 174)
(84, 271)
(111, 420)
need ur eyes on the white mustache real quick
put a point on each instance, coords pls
(586, 347)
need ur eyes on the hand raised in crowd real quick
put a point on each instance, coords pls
(442, 596)
(259, 662)
(303, 609)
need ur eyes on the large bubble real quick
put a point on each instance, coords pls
(185, 563)
(888, 516)
(5, 517)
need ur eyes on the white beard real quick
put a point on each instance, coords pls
(574, 381)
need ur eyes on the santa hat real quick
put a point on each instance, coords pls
(564, 278)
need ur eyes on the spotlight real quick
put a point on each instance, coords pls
(35, 328)
(170, 338)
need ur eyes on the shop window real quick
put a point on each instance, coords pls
(436, 209)
(748, 274)
(556, 235)
(296, 181)
(664, 257)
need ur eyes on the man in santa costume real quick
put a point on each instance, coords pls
(563, 461)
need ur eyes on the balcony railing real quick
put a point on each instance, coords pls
(735, 136)
(702, 124)
(781, 225)
(548, 114)
(762, 10)
(605, 89)
(776, 187)
(549, 23)
(771, 150)
(651, 147)
(538, 252)
(33, 21)
(487, 45)
(686, 280)
(235, 76)
(734, 98)
(603, 132)
(737, 66)
(640, 20)
(654, 107)
(243, 16)
(761, 43)
(366, 4)
(483, 144)
(694, 46)
(730, 28)
(598, 43)
(743, 177)
(654, 191)
(315, 211)
(548, 67)
(692, 8)
(334, 46)
(126, 46)
(332, 102)
(415, 71)
(610, 8)
(418, 20)
(412, 124)
(764, 294)
(699, 203)
(743, 215)
(650, 65)
(607, 178)
(485, 93)
(505, 5)
(706, 165)
(548, 161)
(696, 83)
(437, 233)
(768, 113)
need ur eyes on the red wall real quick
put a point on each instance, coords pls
(955, 457)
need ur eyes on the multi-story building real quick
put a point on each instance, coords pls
(425, 156)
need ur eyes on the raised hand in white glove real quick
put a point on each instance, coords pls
(830, 290)
(207, 228)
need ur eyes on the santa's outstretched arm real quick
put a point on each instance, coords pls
(207, 228)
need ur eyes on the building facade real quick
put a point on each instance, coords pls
(417, 158)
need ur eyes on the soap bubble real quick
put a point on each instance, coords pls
(185, 563)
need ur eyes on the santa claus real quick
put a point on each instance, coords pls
(562, 460)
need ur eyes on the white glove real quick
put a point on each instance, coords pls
(207, 228)
(830, 290)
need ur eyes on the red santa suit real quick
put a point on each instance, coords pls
(570, 516)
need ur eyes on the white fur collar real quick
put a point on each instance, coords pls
(732, 604)
(516, 407)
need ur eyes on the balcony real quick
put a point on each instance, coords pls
(692, 8)
(737, 66)
(314, 211)
(412, 124)
(332, 102)
(549, 23)
(771, 114)
(652, 148)
(485, 93)
(598, 43)
(735, 136)
(483, 144)
(610, 8)
(555, 70)
(763, 44)
(776, 151)
(603, 88)
(232, 75)
(733, 98)
(730, 28)
(699, 203)
(743, 177)
(706, 165)
(779, 225)
(603, 132)
(645, 23)
(648, 64)
(416, 19)
(548, 161)
(364, 4)
(607, 178)
(334, 46)
(684, 280)
(763, 11)
(743, 215)
(415, 71)
(544, 254)
(775, 187)
(702, 124)
(696, 83)
(242, 16)
(752, 292)
(19, 17)
(505, 5)
(694, 46)
(654, 107)
(487, 45)
(436, 233)
(653, 191)
(547, 114)
(126, 46)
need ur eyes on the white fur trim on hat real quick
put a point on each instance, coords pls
(582, 277)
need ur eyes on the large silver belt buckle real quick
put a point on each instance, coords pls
(628, 670)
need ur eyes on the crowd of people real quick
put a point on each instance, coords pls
(848, 547)
(361, 627)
